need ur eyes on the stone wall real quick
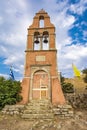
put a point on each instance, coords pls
(13, 109)
(64, 111)
(78, 101)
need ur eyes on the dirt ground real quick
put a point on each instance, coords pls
(78, 122)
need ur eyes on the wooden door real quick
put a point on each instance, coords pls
(40, 85)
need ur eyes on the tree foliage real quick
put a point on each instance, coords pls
(84, 71)
(9, 92)
(85, 77)
(66, 87)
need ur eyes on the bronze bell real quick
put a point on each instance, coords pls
(36, 40)
(45, 40)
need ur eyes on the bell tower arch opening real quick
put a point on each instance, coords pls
(45, 41)
(36, 41)
(41, 41)
(41, 21)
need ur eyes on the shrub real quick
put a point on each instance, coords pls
(66, 87)
(85, 72)
(9, 92)
(85, 78)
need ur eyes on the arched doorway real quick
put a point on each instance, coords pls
(40, 85)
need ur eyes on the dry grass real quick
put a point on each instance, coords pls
(78, 83)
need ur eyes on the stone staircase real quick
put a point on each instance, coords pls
(38, 109)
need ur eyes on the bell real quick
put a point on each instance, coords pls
(36, 40)
(45, 40)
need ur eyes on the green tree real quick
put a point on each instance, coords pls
(66, 87)
(85, 77)
(9, 92)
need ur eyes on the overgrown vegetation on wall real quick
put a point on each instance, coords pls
(78, 101)
(66, 87)
(9, 92)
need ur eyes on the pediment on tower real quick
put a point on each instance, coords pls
(41, 16)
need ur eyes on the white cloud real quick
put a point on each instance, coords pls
(3, 50)
(72, 54)
(1, 20)
(85, 33)
(63, 23)
(75, 52)
(4, 75)
(13, 33)
(79, 7)
(18, 15)
(68, 21)
(16, 57)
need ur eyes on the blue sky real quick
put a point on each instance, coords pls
(70, 20)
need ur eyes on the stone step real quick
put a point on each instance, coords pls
(40, 100)
(37, 111)
(38, 116)
(38, 107)
(39, 103)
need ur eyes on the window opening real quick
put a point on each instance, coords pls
(45, 41)
(41, 22)
(36, 41)
(45, 44)
(36, 46)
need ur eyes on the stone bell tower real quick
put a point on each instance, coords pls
(41, 75)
